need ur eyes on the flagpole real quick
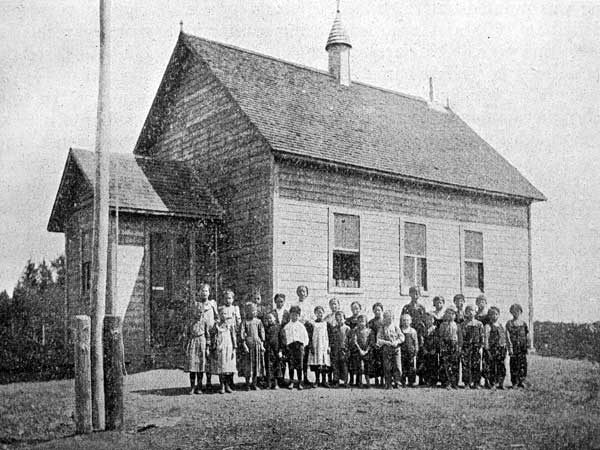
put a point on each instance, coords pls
(101, 219)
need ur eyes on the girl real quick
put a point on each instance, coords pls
(376, 363)
(231, 311)
(295, 339)
(334, 306)
(223, 342)
(438, 310)
(495, 343)
(318, 358)
(408, 351)
(518, 335)
(209, 308)
(389, 339)
(339, 350)
(305, 317)
(252, 338)
(359, 343)
(196, 349)
(472, 341)
(352, 321)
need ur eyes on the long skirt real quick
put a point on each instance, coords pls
(195, 355)
(252, 363)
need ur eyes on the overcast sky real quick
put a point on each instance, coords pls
(524, 74)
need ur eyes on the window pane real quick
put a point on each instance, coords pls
(422, 273)
(346, 269)
(474, 275)
(408, 272)
(473, 245)
(415, 239)
(86, 246)
(346, 231)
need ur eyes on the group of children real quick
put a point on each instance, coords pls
(436, 346)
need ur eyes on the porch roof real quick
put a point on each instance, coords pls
(138, 184)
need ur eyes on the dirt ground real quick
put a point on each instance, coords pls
(560, 409)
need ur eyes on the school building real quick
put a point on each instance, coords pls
(251, 172)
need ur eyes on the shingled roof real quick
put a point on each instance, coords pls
(303, 111)
(146, 185)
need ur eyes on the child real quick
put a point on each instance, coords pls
(482, 316)
(334, 306)
(281, 314)
(339, 350)
(295, 338)
(359, 341)
(518, 336)
(318, 358)
(449, 348)
(495, 343)
(231, 311)
(376, 362)
(196, 350)
(414, 309)
(210, 310)
(273, 352)
(223, 342)
(459, 303)
(472, 341)
(306, 319)
(352, 321)
(252, 338)
(408, 351)
(438, 310)
(389, 339)
(428, 370)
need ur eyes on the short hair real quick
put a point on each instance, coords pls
(439, 298)
(480, 297)
(469, 308)
(414, 289)
(295, 309)
(319, 307)
(340, 313)
(459, 297)
(334, 300)
(356, 303)
(516, 307)
(406, 315)
(251, 306)
(494, 308)
(204, 284)
(361, 317)
(302, 286)
(428, 316)
(377, 305)
(281, 296)
(451, 308)
(228, 291)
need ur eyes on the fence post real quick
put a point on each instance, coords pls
(113, 372)
(83, 375)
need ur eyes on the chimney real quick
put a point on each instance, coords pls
(338, 47)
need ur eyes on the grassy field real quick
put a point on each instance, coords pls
(560, 409)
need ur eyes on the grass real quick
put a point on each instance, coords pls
(561, 409)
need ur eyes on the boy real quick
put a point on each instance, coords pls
(273, 352)
(472, 341)
(282, 315)
(482, 316)
(438, 310)
(389, 338)
(518, 336)
(448, 332)
(295, 338)
(417, 313)
(459, 303)
(495, 344)
(408, 351)
(339, 350)
(429, 369)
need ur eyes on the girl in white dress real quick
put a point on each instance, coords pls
(318, 357)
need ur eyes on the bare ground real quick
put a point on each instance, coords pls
(561, 409)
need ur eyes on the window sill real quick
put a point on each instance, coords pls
(471, 292)
(346, 290)
(404, 293)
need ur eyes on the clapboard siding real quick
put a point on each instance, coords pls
(302, 257)
(307, 182)
(202, 125)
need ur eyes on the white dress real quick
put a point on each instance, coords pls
(319, 351)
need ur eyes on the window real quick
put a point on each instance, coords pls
(86, 261)
(474, 260)
(414, 259)
(346, 251)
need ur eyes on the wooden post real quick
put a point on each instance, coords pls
(113, 372)
(83, 375)
(101, 217)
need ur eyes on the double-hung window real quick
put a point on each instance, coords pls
(414, 256)
(346, 251)
(473, 260)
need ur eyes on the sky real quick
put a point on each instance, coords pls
(524, 74)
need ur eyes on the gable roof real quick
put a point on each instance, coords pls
(303, 111)
(145, 185)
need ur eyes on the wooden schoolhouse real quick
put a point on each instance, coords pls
(254, 173)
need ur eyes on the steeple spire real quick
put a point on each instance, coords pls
(338, 46)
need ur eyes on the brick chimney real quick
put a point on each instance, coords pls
(338, 46)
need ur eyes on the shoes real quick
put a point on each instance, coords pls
(222, 390)
(300, 386)
(325, 385)
(274, 387)
(198, 390)
(193, 391)
(253, 387)
(291, 386)
(228, 389)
